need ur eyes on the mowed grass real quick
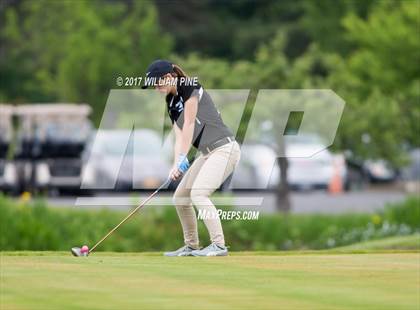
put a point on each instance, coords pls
(56, 280)
(410, 242)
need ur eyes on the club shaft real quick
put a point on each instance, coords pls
(129, 215)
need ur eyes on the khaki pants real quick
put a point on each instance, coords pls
(205, 175)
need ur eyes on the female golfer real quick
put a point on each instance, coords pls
(197, 122)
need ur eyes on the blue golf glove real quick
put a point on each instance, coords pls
(183, 163)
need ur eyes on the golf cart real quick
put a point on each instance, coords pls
(8, 176)
(51, 140)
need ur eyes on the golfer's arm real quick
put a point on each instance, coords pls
(190, 112)
(177, 148)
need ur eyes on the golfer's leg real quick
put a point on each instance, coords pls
(184, 208)
(218, 166)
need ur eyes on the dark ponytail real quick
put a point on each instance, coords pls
(178, 71)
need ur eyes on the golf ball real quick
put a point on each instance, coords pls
(84, 249)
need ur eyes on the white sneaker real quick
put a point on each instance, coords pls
(183, 251)
(212, 250)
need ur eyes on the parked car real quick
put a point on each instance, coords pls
(258, 167)
(8, 173)
(315, 171)
(112, 164)
(380, 170)
(51, 140)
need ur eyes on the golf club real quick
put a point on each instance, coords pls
(85, 251)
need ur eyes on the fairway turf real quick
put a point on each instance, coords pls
(48, 280)
(410, 242)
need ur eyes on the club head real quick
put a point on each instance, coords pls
(76, 251)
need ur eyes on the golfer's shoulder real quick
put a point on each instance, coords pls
(188, 88)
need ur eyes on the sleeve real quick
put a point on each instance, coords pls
(189, 91)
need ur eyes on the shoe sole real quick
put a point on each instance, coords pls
(184, 254)
(211, 254)
(179, 255)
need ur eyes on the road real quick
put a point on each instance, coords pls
(322, 202)
(302, 202)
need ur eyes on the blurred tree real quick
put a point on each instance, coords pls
(75, 50)
(322, 21)
(231, 30)
(380, 81)
(366, 51)
(235, 29)
(273, 75)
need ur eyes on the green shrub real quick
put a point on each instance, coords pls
(408, 213)
(34, 226)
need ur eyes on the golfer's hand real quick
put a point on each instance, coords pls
(183, 163)
(175, 174)
(180, 168)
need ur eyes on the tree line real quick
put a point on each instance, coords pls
(366, 51)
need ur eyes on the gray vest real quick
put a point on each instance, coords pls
(209, 126)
